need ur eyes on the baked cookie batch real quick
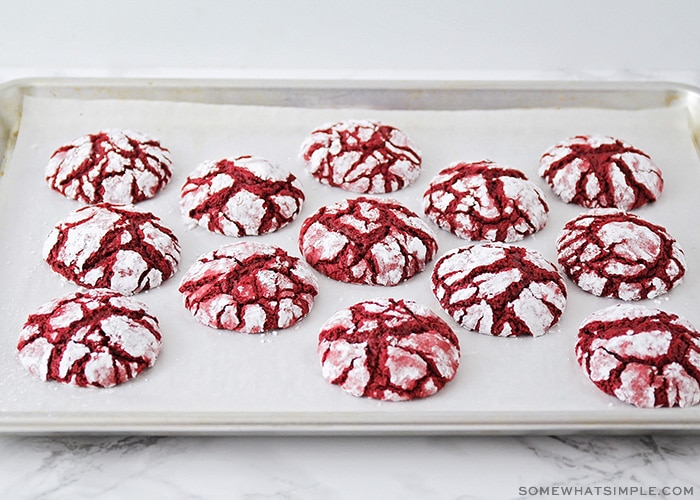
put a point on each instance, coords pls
(389, 348)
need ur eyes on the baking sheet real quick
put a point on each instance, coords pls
(215, 381)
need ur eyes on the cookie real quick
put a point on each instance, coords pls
(612, 253)
(112, 246)
(367, 240)
(243, 196)
(362, 156)
(249, 287)
(485, 201)
(643, 356)
(501, 290)
(598, 171)
(96, 338)
(388, 349)
(114, 166)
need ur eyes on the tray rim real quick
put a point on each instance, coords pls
(360, 423)
(123, 88)
(660, 92)
(343, 82)
(653, 93)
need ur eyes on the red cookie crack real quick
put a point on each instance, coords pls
(112, 246)
(248, 287)
(643, 356)
(485, 201)
(388, 349)
(600, 171)
(501, 290)
(97, 338)
(114, 166)
(363, 156)
(613, 253)
(367, 240)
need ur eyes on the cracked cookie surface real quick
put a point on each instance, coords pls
(112, 246)
(248, 287)
(501, 290)
(115, 166)
(242, 196)
(485, 201)
(599, 171)
(97, 338)
(367, 240)
(643, 356)
(363, 156)
(388, 349)
(612, 253)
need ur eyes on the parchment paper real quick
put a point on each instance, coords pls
(204, 370)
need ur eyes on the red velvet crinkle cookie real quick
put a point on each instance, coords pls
(501, 290)
(367, 240)
(363, 156)
(243, 196)
(115, 166)
(112, 246)
(598, 171)
(485, 201)
(249, 287)
(388, 349)
(643, 356)
(96, 338)
(612, 253)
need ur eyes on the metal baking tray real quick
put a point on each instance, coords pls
(583, 409)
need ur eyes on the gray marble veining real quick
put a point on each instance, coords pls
(444, 467)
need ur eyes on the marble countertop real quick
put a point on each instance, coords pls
(335, 467)
(325, 468)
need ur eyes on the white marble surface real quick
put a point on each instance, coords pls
(418, 40)
(401, 468)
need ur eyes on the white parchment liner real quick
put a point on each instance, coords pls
(210, 371)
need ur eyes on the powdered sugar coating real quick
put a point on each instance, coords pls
(367, 240)
(249, 287)
(96, 338)
(501, 290)
(243, 196)
(363, 156)
(612, 253)
(114, 166)
(112, 246)
(643, 356)
(388, 349)
(485, 201)
(601, 171)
